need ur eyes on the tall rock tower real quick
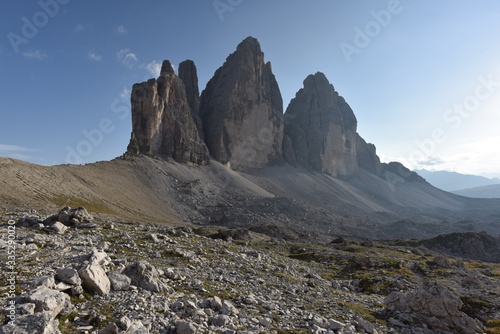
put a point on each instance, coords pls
(242, 110)
(162, 121)
(320, 129)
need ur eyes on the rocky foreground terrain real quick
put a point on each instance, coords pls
(78, 273)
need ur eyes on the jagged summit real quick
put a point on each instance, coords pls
(162, 121)
(242, 110)
(166, 68)
(249, 43)
(238, 120)
(320, 129)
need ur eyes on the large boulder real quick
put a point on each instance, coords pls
(242, 110)
(69, 275)
(162, 123)
(94, 279)
(69, 217)
(321, 129)
(434, 306)
(38, 323)
(47, 300)
(146, 276)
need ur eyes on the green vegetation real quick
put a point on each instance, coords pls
(492, 326)
(362, 311)
(66, 324)
(475, 303)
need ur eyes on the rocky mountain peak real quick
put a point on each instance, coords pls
(250, 44)
(166, 68)
(320, 129)
(162, 121)
(242, 110)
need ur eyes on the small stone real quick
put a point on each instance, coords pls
(62, 286)
(335, 325)
(69, 275)
(154, 237)
(216, 303)
(94, 278)
(99, 258)
(146, 276)
(76, 290)
(58, 228)
(184, 327)
(119, 281)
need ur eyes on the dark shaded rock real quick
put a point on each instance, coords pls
(188, 75)
(242, 110)
(367, 156)
(321, 129)
(395, 172)
(146, 276)
(235, 234)
(162, 125)
(42, 322)
(166, 68)
(69, 217)
(471, 245)
(435, 306)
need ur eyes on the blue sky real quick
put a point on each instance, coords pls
(423, 77)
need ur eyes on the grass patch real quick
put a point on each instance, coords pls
(361, 310)
(66, 325)
(492, 326)
(475, 303)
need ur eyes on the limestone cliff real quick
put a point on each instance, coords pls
(242, 110)
(320, 129)
(162, 122)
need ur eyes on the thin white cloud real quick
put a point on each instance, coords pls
(94, 56)
(14, 148)
(80, 27)
(125, 93)
(15, 151)
(431, 161)
(121, 29)
(36, 54)
(153, 68)
(127, 58)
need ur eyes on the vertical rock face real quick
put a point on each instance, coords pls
(320, 129)
(188, 75)
(242, 110)
(162, 124)
(367, 157)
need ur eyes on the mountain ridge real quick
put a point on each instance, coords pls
(452, 181)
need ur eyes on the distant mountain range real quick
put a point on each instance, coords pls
(491, 191)
(456, 182)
